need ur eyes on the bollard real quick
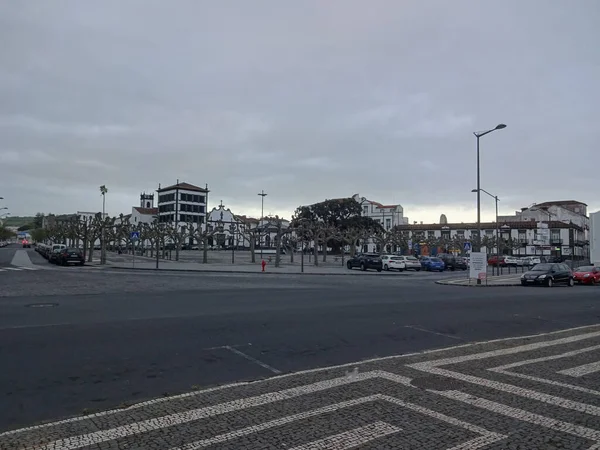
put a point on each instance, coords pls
(263, 264)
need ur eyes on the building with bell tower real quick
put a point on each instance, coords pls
(146, 200)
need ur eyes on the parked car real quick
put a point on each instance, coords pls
(53, 256)
(453, 262)
(531, 261)
(431, 263)
(410, 262)
(548, 274)
(587, 275)
(366, 261)
(68, 256)
(511, 261)
(391, 262)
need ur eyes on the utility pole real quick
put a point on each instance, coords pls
(103, 191)
(262, 214)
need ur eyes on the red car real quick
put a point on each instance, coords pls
(587, 275)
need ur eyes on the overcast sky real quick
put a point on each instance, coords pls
(305, 99)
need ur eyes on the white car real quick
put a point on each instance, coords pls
(531, 261)
(391, 262)
(511, 261)
(410, 262)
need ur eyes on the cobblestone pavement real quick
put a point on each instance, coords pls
(537, 392)
(502, 280)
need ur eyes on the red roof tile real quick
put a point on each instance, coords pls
(146, 211)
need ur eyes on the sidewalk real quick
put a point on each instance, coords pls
(491, 281)
(245, 268)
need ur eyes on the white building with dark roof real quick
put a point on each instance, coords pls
(388, 216)
(182, 203)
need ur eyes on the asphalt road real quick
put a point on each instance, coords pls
(74, 341)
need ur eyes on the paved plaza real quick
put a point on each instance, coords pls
(538, 392)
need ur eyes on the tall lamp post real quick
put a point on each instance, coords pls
(495, 197)
(103, 192)
(262, 214)
(479, 134)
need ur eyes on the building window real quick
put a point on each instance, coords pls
(431, 234)
(365, 210)
(460, 234)
(388, 224)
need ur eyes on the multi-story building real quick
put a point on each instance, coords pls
(182, 203)
(519, 238)
(387, 215)
(568, 211)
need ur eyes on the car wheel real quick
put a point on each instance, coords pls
(400, 269)
(418, 270)
(386, 267)
(571, 283)
(549, 282)
(363, 267)
(81, 263)
(379, 269)
(348, 265)
(523, 283)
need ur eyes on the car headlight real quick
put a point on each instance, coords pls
(541, 277)
(523, 277)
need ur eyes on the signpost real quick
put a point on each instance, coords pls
(478, 265)
(134, 236)
(467, 247)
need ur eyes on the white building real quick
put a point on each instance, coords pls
(182, 203)
(387, 215)
(567, 211)
(235, 227)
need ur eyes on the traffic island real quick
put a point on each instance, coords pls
(493, 281)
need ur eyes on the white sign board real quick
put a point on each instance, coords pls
(478, 265)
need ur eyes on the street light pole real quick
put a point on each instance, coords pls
(495, 197)
(262, 214)
(479, 135)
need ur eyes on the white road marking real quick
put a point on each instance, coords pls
(504, 370)
(511, 351)
(274, 423)
(252, 359)
(432, 367)
(29, 268)
(353, 438)
(309, 371)
(525, 416)
(97, 437)
(486, 437)
(14, 268)
(433, 332)
(583, 370)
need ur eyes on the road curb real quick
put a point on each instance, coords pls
(347, 274)
(446, 283)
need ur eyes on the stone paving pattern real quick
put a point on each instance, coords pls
(539, 392)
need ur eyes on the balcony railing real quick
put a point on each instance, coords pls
(556, 241)
(580, 242)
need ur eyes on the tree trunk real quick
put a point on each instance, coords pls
(316, 247)
(205, 250)
(252, 247)
(325, 247)
(177, 247)
(291, 254)
(91, 252)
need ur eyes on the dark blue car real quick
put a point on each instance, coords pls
(432, 263)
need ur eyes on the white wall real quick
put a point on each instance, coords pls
(595, 238)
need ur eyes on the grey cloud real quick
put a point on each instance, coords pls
(307, 100)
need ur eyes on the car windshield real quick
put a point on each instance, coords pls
(542, 267)
(411, 258)
(435, 259)
(396, 259)
(584, 269)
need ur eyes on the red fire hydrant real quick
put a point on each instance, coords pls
(263, 264)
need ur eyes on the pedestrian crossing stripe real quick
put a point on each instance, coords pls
(17, 269)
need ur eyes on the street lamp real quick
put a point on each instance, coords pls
(262, 214)
(495, 197)
(479, 134)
